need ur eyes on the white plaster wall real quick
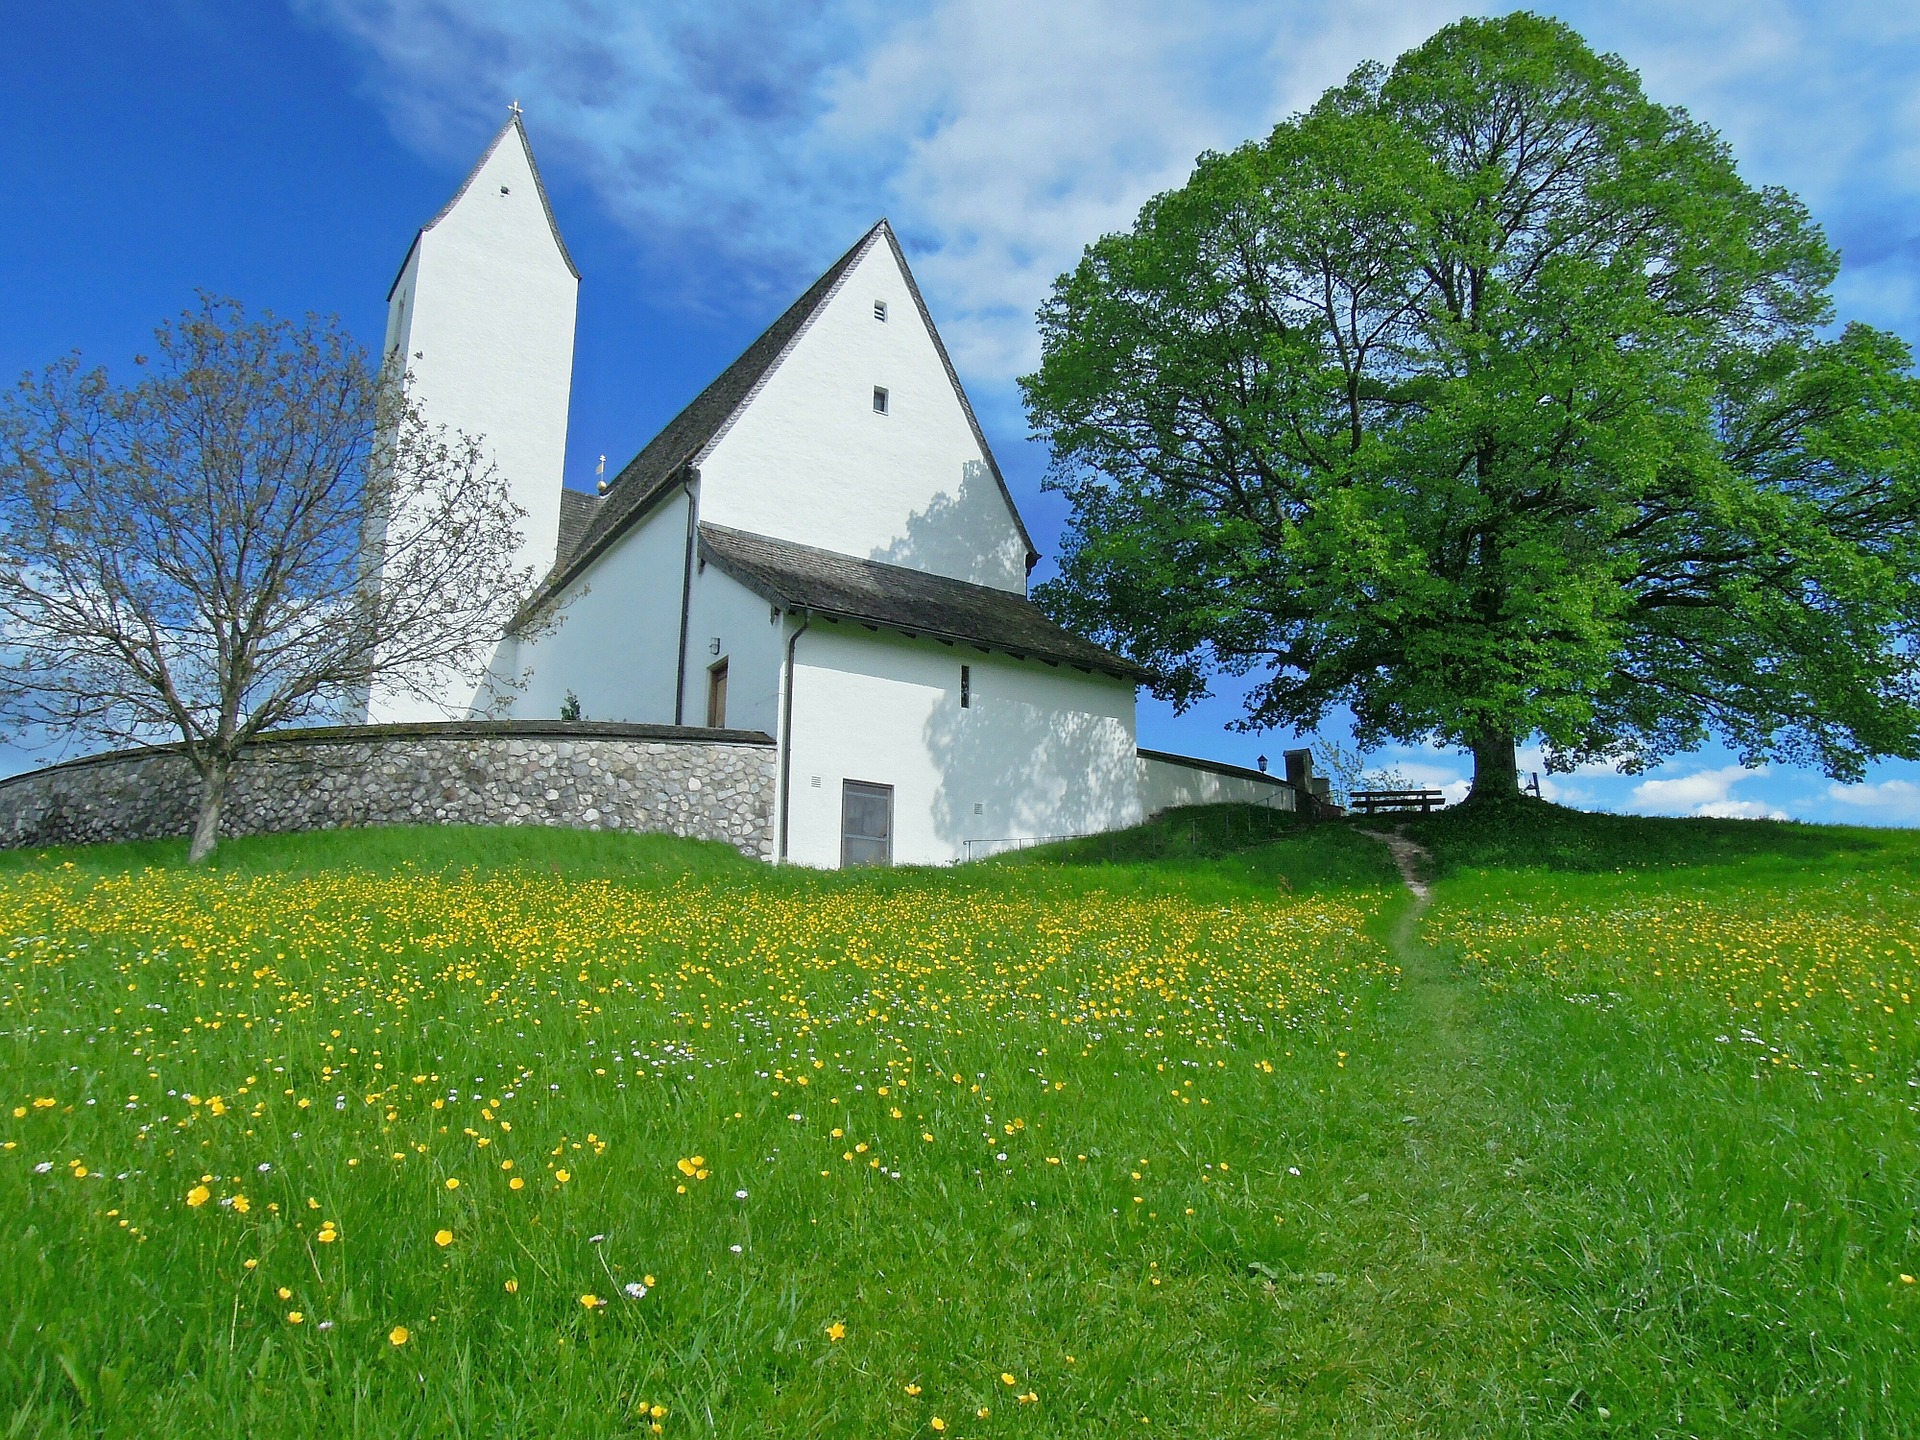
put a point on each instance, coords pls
(809, 460)
(1164, 784)
(750, 639)
(483, 320)
(618, 642)
(1042, 751)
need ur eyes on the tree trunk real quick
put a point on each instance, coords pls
(1496, 768)
(213, 793)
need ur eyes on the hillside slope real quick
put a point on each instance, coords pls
(1188, 1128)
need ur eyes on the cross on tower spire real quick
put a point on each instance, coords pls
(513, 109)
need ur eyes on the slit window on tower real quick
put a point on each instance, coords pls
(880, 311)
(879, 400)
(966, 687)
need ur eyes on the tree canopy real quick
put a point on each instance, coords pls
(1486, 399)
(248, 537)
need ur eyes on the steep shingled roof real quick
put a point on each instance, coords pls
(686, 439)
(577, 509)
(843, 587)
(512, 127)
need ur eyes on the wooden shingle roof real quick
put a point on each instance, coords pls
(577, 509)
(868, 592)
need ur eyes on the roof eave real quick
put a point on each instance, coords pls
(405, 261)
(775, 595)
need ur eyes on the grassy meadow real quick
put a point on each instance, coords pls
(1199, 1129)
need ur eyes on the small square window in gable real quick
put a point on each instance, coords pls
(879, 400)
(880, 311)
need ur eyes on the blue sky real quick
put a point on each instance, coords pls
(706, 161)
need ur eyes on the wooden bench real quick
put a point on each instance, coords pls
(1374, 802)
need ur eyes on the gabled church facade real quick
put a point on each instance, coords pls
(819, 547)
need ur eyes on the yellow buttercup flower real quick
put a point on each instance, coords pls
(198, 1196)
(399, 1335)
(836, 1331)
(443, 1238)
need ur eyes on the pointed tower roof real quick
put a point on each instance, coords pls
(514, 128)
(691, 435)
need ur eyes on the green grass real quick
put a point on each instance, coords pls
(1528, 834)
(1618, 1139)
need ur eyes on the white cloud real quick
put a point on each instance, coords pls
(745, 145)
(1705, 792)
(759, 140)
(1889, 801)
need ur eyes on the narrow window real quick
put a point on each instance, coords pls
(880, 311)
(866, 824)
(966, 687)
(879, 400)
(717, 696)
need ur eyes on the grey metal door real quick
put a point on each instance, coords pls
(866, 824)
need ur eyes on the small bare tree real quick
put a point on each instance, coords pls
(1346, 768)
(249, 537)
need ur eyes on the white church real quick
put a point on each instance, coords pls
(819, 547)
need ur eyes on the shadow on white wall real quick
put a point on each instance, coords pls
(1031, 770)
(968, 535)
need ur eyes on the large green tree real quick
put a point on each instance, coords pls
(1487, 400)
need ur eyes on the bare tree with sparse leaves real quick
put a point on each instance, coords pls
(247, 538)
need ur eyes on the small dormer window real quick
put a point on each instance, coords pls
(879, 400)
(880, 311)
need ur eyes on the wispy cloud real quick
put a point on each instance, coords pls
(1001, 136)
(758, 139)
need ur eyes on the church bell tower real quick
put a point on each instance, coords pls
(481, 318)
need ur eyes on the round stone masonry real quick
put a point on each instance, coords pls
(588, 775)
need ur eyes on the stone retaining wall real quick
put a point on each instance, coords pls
(659, 779)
